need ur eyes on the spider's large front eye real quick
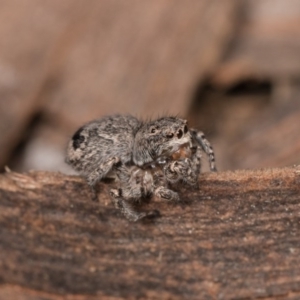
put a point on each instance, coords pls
(185, 129)
(170, 135)
(179, 134)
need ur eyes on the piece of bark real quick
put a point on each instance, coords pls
(266, 44)
(104, 57)
(138, 57)
(29, 33)
(237, 237)
(248, 130)
(252, 129)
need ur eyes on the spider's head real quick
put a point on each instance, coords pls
(160, 138)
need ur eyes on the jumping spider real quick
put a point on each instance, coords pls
(145, 158)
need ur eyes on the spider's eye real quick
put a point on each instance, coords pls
(153, 130)
(185, 129)
(170, 135)
(179, 134)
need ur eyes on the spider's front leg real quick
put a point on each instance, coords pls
(160, 189)
(127, 208)
(135, 184)
(200, 138)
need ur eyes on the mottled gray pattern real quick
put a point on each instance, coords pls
(145, 158)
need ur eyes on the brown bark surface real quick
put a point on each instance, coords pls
(237, 237)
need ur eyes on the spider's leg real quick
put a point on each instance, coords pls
(100, 172)
(185, 170)
(166, 194)
(160, 189)
(127, 208)
(206, 146)
(135, 184)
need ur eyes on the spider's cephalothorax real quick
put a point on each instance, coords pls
(145, 158)
(160, 138)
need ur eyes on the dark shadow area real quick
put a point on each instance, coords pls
(17, 152)
(213, 107)
(228, 115)
(250, 87)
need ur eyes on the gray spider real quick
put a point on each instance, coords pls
(145, 158)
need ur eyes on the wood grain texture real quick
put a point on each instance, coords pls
(235, 238)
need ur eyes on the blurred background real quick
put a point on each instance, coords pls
(232, 68)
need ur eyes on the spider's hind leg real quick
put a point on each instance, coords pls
(206, 146)
(99, 173)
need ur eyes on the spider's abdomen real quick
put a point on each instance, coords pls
(101, 140)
